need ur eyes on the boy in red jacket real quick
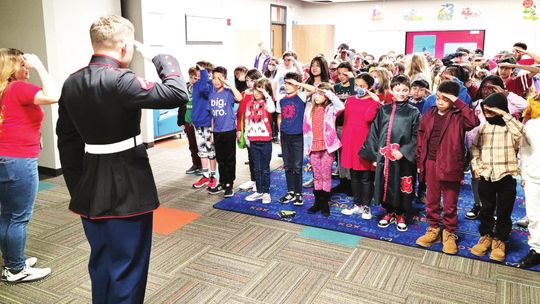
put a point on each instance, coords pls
(440, 155)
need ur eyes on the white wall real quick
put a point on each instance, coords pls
(502, 20)
(56, 31)
(66, 27)
(249, 19)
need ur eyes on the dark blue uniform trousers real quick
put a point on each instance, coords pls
(119, 258)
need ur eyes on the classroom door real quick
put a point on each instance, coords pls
(310, 40)
(277, 39)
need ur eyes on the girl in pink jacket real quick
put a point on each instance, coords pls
(321, 142)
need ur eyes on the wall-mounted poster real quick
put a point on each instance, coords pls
(424, 44)
(204, 30)
(440, 43)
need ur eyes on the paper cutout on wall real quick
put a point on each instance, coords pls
(446, 12)
(412, 15)
(470, 12)
(377, 14)
(529, 10)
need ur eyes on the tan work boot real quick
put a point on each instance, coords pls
(498, 250)
(432, 236)
(483, 245)
(449, 242)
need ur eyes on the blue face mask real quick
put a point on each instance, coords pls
(360, 92)
(376, 84)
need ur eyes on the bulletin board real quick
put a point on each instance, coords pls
(440, 43)
(204, 30)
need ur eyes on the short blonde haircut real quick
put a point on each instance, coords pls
(107, 31)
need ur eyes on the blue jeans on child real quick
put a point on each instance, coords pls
(292, 148)
(18, 189)
(261, 154)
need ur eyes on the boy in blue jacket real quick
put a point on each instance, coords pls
(457, 74)
(202, 121)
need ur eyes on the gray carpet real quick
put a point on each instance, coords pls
(225, 257)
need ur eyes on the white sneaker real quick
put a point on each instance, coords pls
(266, 198)
(309, 183)
(254, 197)
(28, 274)
(366, 213)
(354, 210)
(247, 185)
(30, 262)
(523, 222)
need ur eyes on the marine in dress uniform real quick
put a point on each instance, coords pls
(107, 170)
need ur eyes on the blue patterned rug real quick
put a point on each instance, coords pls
(467, 231)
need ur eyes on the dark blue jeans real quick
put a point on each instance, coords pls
(119, 257)
(292, 150)
(261, 154)
(18, 188)
(251, 165)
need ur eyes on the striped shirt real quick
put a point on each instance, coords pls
(494, 149)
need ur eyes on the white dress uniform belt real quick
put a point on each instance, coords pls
(116, 147)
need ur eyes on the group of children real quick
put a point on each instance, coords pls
(386, 141)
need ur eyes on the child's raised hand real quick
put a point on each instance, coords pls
(520, 50)
(451, 97)
(374, 97)
(350, 74)
(292, 81)
(262, 91)
(506, 65)
(498, 89)
(223, 80)
(494, 110)
(428, 92)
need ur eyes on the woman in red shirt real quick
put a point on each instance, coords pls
(20, 123)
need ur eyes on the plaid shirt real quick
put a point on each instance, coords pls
(494, 149)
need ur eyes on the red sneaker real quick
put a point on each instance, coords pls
(212, 182)
(201, 182)
(386, 220)
(401, 225)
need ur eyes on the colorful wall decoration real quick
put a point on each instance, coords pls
(470, 12)
(529, 10)
(446, 12)
(412, 15)
(377, 14)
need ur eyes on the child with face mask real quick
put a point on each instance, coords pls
(360, 111)
(494, 162)
(516, 104)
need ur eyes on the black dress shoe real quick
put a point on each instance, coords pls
(530, 260)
